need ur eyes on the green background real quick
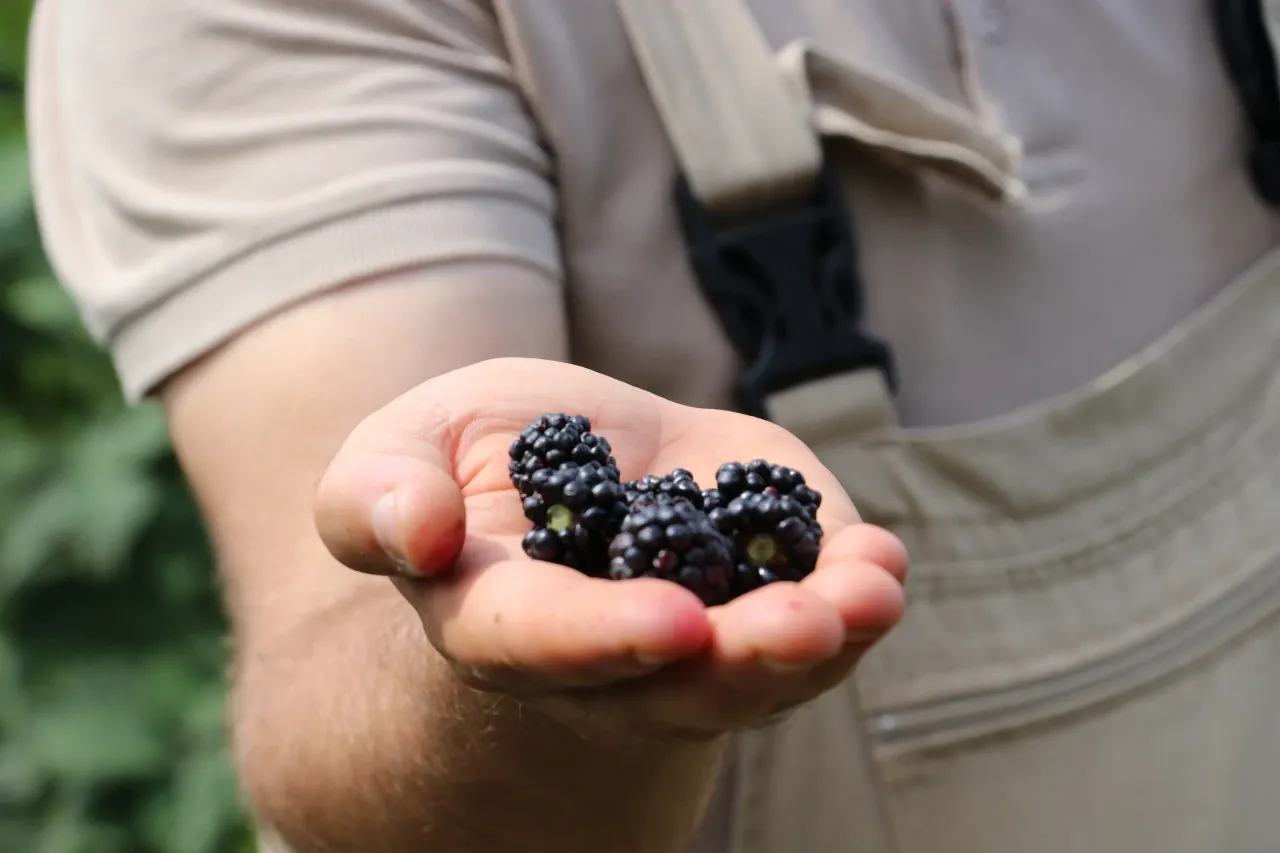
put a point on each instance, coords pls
(112, 645)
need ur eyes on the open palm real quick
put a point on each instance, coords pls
(642, 653)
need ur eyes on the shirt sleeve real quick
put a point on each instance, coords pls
(200, 165)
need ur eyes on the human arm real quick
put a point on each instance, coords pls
(339, 699)
(326, 656)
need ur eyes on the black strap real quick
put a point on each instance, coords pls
(787, 288)
(1241, 31)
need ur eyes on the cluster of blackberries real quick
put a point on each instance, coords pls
(758, 525)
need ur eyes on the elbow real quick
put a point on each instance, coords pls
(317, 754)
(271, 786)
(286, 770)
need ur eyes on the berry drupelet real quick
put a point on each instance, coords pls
(553, 441)
(671, 539)
(678, 484)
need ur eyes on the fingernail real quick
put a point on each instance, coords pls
(386, 530)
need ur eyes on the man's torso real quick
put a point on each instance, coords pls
(1133, 157)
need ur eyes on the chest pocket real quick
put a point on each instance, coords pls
(1088, 658)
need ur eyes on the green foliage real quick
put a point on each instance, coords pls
(112, 651)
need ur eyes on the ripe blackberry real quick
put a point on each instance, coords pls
(572, 546)
(775, 537)
(678, 484)
(761, 477)
(673, 540)
(552, 441)
(575, 510)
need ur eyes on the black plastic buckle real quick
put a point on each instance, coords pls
(786, 286)
(1241, 32)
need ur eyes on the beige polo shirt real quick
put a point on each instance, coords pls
(199, 165)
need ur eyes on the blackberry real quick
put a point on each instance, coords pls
(758, 525)
(553, 441)
(775, 537)
(678, 484)
(576, 510)
(674, 540)
(761, 477)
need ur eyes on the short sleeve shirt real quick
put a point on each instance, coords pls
(201, 165)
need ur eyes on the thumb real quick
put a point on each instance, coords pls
(388, 503)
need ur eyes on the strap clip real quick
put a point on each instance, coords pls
(786, 286)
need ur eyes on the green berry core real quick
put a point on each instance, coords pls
(761, 549)
(559, 517)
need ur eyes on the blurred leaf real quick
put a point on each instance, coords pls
(15, 181)
(112, 649)
(22, 457)
(116, 497)
(41, 304)
(94, 739)
(32, 533)
(68, 827)
(193, 817)
(21, 776)
(92, 505)
(14, 15)
(10, 674)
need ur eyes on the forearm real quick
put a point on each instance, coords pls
(353, 734)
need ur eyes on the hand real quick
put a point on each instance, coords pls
(420, 492)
